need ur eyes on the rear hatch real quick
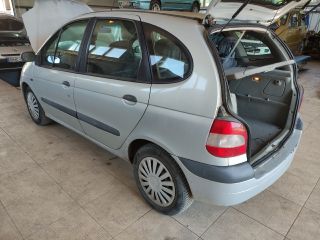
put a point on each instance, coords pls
(260, 74)
(256, 11)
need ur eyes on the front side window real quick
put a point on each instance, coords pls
(170, 60)
(114, 50)
(49, 50)
(62, 50)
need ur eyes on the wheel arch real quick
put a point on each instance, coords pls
(24, 87)
(136, 144)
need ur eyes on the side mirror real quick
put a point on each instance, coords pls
(28, 57)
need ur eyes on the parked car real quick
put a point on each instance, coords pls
(292, 29)
(157, 5)
(13, 42)
(191, 108)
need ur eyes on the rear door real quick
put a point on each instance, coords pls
(112, 93)
(55, 77)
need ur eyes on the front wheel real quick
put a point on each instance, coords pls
(155, 5)
(160, 180)
(35, 110)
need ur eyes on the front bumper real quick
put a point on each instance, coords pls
(241, 183)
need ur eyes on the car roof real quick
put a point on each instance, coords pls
(179, 14)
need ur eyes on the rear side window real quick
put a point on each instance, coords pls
(254, 46)
(114, 50)
(169, 58)
(62, 50)
(245, 49)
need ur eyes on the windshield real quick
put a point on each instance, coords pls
(241, 50)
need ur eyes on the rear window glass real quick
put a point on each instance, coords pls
(245, 49)
(10, 25)
(114, 50)
(170, 59)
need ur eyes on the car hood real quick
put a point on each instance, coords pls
(47, 16)
(257, 11)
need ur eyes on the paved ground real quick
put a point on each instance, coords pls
(56, 185)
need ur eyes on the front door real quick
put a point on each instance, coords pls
(55, 76)
(112, 94)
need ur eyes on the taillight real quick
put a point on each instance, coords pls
(227, 139)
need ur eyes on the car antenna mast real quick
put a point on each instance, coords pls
(236, 14)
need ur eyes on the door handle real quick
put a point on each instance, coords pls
(130, 98)
(66, 83)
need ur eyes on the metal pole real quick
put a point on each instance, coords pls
(13, 3)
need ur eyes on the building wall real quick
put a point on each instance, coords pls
(6, 7)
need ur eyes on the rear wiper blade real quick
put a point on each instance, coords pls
(236, 14)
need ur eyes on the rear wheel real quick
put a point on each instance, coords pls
(35, 110)
(160, 180)
(155, 5)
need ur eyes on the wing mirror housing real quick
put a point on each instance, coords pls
(28, 57)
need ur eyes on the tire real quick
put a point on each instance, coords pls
(195, 7)
(34, 108)
(160, 180)
(155, 5)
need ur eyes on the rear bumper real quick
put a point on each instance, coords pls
(236, 184)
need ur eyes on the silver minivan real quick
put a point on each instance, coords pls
(203, 107)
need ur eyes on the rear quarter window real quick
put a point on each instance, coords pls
(245, 49)
(170, 60)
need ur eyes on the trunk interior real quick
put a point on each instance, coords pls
(264, 104)
(260, 81)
